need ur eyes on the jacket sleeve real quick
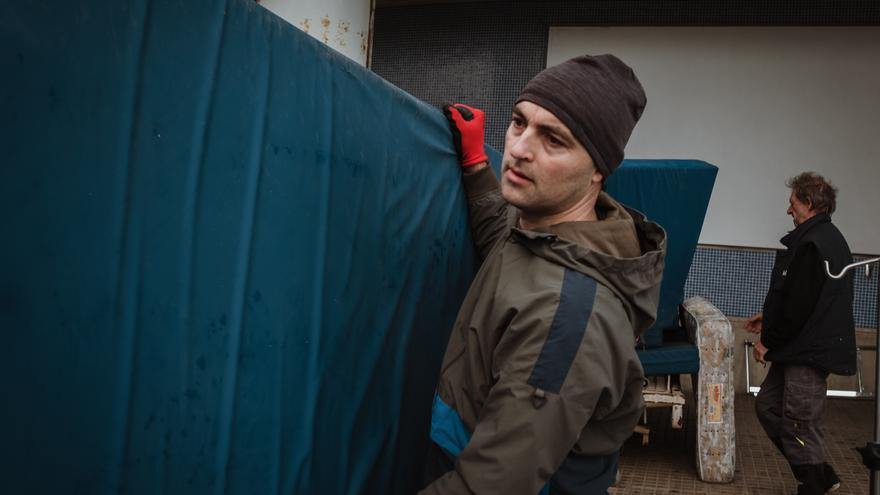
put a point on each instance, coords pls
(800, 292)
(487, 210)
(560, 373)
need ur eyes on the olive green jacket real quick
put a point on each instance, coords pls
(541, 362)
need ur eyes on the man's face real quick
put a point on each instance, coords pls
(800, 212)
(545, 171)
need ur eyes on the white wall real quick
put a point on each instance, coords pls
(762, 104)
(342, 24)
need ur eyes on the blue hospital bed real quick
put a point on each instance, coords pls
(690, 337)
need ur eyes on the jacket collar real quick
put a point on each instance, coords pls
(614, 234)
(795, 235)
(635, 278)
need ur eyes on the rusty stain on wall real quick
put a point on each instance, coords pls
(325, 33)
(341, 29)
(363, 37)
(348, 35)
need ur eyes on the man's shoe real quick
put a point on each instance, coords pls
(808, 489)
(810, 478)
(832, 481)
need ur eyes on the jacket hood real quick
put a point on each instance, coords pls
(623, 251)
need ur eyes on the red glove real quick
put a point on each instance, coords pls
(466, 124)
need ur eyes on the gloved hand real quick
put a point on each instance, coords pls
(466, 124)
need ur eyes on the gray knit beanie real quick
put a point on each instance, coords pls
(598, 98)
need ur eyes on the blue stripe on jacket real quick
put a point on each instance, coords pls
(447, 429)
(566, 332)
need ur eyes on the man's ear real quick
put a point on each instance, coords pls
(597, 177)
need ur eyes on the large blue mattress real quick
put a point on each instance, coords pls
(675, 194)
(230, 258)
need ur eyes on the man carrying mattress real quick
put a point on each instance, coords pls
(540, 384)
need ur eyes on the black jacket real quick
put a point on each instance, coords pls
(808, 317)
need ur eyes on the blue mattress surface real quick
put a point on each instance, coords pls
(675, 194)
(673, 358)
(230, 257)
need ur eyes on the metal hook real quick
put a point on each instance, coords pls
(848, 267)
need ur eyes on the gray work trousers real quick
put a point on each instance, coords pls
(791, 408)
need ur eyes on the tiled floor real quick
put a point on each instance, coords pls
(666, 466)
